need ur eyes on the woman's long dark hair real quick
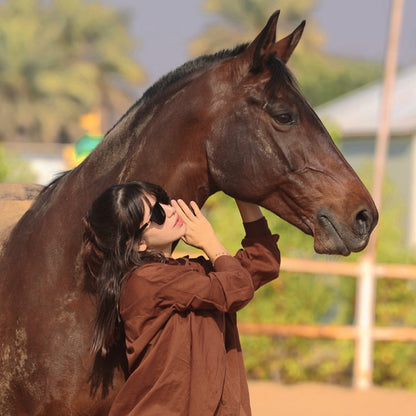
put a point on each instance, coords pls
(109, 254)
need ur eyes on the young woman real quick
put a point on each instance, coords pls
(178, 315)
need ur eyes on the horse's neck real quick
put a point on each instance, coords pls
(158, 149)
(110, 157)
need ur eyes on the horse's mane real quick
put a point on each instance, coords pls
(53, 183)
(189, 68)
(181, 72)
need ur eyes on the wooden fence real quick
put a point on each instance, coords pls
(352, 332)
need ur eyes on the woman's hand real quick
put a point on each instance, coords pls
(198, 229)
(199, 232)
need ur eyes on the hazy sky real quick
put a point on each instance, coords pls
(356, 28)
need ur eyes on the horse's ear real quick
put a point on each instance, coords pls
(259, 49)
(284, 47)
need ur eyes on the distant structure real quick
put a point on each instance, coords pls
(357, 114)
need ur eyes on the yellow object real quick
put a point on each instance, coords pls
(91, 122)
(68, 154)
(75, 153)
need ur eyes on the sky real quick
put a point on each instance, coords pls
(354, 28)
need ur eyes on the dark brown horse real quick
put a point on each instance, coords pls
(234, 121)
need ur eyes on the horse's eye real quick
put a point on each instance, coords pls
(284, 118)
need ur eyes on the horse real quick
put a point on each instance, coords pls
(233, 121)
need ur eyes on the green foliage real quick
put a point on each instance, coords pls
(3, 168)
(323, 78)
(241, 22)
(59, 59)
(395, 364)
(300, 299)
(294, 360)
(14, 169)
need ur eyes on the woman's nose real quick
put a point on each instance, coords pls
(169, 210)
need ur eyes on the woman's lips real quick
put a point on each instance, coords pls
(178, 221)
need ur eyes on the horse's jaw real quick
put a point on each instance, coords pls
(332, 233)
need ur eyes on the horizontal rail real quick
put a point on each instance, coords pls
(396, 271)
(325, 331)
(298, 330)
(343, 268)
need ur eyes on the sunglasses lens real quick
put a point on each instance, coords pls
(163, 198)
(158, 214)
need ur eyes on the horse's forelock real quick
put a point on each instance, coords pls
(281, 75)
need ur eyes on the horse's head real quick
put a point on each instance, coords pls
(268, 146)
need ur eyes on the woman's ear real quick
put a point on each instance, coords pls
(140, 246)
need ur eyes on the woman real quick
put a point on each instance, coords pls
(178, 316)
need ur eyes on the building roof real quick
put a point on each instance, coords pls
(358, 112)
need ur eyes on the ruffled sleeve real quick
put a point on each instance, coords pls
(260, 255)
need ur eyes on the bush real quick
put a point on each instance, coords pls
(13, 168)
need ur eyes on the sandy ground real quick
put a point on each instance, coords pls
(15, 199)
(270, 399)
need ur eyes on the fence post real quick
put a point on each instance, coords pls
(365, 305)
(366, 285)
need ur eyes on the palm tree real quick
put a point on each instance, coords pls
(57, 61)
(241, 20)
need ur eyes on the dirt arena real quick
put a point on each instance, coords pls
(270, 399)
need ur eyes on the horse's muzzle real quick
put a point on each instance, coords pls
(335, 235)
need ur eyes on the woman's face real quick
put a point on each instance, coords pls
(160, 237)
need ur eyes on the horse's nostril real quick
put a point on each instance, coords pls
(363, 221)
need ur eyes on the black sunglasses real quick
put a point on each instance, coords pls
(158, 216)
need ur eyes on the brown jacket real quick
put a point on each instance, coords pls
(182, 340)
